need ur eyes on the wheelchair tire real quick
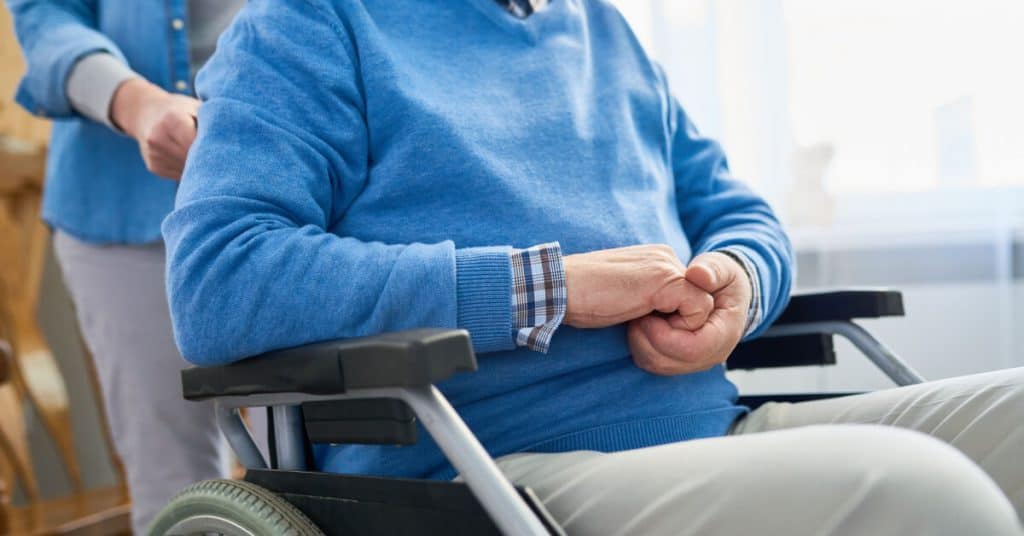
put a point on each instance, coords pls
(230, 508)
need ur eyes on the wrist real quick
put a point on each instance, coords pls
(131, 100)
(747, 268)
(736, 263)
(570, 267)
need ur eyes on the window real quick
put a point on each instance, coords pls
(873, 96)
(914, 94)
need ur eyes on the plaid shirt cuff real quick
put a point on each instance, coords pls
(754, 311)
(538, 295)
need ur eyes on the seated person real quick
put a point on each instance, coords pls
(521, 170)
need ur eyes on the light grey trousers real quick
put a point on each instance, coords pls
(165, 442)
(941, 458)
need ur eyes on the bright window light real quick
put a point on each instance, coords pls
(908, 95)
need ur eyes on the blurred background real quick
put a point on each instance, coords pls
(887, 134)
(54, 452)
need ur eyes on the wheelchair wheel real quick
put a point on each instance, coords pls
(230, 508)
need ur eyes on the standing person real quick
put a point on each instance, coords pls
(116, 76)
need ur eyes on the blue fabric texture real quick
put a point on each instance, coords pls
(364, 167)
(97, 186)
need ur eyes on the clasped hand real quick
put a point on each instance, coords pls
(681, 319)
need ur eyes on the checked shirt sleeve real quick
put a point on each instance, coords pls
(538, 294)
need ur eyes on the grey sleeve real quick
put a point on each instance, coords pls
(92, 83)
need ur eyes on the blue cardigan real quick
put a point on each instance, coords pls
(364, 167)
(97, 186)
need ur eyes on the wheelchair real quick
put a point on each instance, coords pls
(373, 390)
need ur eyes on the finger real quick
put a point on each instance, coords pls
(667, 298)
(173, 173)
(721, 333)
(163, 166)
(710, 272)
(182, 132)
(685, 300)
(167, 154)
(694, 310)
(159, 143)
(693, 320)
(167, 172)
(646, 357)
(683, 345)
(649, 358)
(678, 321)
(171, 151)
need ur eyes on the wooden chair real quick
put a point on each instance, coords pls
(30, 372)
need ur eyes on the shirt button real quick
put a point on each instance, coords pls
(177, 24)
(181, 85)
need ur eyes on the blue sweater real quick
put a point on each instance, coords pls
(364, 167)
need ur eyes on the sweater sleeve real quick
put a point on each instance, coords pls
(281, 148)
(719, 212)
(92, 84)
(54, 35)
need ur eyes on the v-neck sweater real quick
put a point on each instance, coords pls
(364, 167)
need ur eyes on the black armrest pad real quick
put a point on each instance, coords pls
(401, 359)
(842, 305)
(791, 351)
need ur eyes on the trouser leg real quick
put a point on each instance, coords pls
(841, 479)
(164, 441)
(982, 415)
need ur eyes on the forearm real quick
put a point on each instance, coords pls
(242, 280)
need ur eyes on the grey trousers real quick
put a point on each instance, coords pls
(164, 441)
(941, 458)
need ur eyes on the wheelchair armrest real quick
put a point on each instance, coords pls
(772, 351)
(844, 304)
(792, 351)
(400, 359)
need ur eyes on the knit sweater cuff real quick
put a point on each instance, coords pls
(483, 280)
(92, 84)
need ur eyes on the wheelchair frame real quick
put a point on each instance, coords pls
(801, 336)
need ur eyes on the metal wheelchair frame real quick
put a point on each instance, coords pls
(507, 508)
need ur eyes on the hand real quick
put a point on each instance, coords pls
(614, 286)
(669, 346)
(162, 123)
